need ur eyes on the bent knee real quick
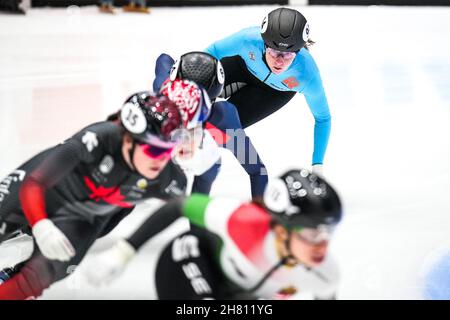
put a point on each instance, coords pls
(225, 116)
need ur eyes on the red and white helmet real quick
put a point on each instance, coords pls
(192, 100)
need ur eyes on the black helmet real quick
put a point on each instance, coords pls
(285, 29)
(203, 69)
(151, 119)
(300, 199)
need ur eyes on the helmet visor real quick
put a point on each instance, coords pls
(155, 152)
(285, 55)
(189, 136)
(314, 236)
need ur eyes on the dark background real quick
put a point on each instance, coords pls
(159, 3)
(384, 2)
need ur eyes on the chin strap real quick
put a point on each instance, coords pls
(283, 261)
(264, 58)
(131, 158)
(287, 244)
(280, 263)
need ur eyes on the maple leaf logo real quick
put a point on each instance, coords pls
(109, 195)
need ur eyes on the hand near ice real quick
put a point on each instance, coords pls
(102, 269)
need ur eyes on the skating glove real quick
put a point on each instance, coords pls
(317, 169)
(109, 264)
(53, 244)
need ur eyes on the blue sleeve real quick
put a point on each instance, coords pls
(163, 66)
(228, 46)
(317, 102)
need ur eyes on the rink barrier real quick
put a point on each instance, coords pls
(381, 2)
(169, 3)
(158, 3)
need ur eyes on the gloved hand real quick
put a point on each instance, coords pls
(317, 169)
(108, 265)
(53, 244)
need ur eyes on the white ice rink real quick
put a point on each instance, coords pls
(386, 71)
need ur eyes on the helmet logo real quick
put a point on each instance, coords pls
(206, 109)
(281, 44)
(106, 165)
(90, 140)
(174, 70)
(264, 24)
(276, 196)
(295, 188)
(133, 118)
(305, 34)
(220, 73)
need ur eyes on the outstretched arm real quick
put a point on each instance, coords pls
(157, 222)
(112, 262)
(317, 102)
(58, 164)
(51, 241)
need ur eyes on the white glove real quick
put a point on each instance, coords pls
(108, 265)
(53, 244)
(317, 169)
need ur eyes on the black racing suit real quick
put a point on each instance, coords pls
(190, 276)
(254, 99)
(89, 188)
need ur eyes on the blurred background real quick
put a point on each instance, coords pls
(386, 71)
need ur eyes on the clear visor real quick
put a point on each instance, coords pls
(315, 236)
(192, 136)
(284, 55)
